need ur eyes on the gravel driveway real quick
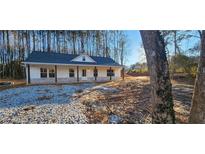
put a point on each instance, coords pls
(39, 95)
(42, 104)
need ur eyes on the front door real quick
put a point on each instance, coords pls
(84, 75)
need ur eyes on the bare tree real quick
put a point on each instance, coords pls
(15, 46)
(48, 41)
(58, 40)
(73, 38)
(161, 88)
(197, 114)
(34, 42)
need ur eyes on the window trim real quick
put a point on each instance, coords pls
(43, 71)
(53, 73)
(71, 72)
(110, 72)
(84, 73)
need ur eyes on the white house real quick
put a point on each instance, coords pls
(45, 67)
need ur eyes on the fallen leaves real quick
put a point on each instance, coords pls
(130, 101)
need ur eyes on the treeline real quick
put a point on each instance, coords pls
(16, 45)
(182, 51)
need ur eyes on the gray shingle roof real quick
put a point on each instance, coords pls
(46, 57)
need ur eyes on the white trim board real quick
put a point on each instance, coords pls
(37, 63)
(87, 59)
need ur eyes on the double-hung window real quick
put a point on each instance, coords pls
(51, 73)
(84, 73)
(71, 72)
(43, 72)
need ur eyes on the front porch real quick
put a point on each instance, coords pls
(44, 74)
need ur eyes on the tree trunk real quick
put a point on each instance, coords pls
(74, 40)
(82, 41)
(161, 88)
(197, 114)
(64, 42)
(28, 42)
(200, 34)
(175, 54)
(58, 41)
(9, 53)
(34, 40)
(4, 51)
(48, 41)
(106, 44)
(43, 40)
(175, 42)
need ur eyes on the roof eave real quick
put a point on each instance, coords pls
(38, 63)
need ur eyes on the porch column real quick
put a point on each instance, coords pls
(77, 73)
(123, 73)
(28, 72)
(110, 74)
(56, 74)
(95, 73)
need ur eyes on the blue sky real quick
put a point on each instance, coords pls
(135, 51)
(133, 47)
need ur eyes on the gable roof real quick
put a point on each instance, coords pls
(61, 58)
(88, 58)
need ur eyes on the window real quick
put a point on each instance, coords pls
(71, 72)
(95, 72)
(110, 73)
(83, 58)
(83, 72)
(51, 73)
(43, 72)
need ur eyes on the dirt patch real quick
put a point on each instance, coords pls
(15, 83)
(131, 103)
(28, 108)
(41, 98)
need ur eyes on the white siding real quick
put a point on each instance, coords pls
(89, 71)
(63, 74)
(34, 72)
(80, 58)
(117, 72)
(63, 71)
(102, 72)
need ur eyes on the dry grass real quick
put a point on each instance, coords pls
(16, 83)
(132, 102)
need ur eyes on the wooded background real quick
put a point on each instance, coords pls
(16, 45)
(182, 49)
